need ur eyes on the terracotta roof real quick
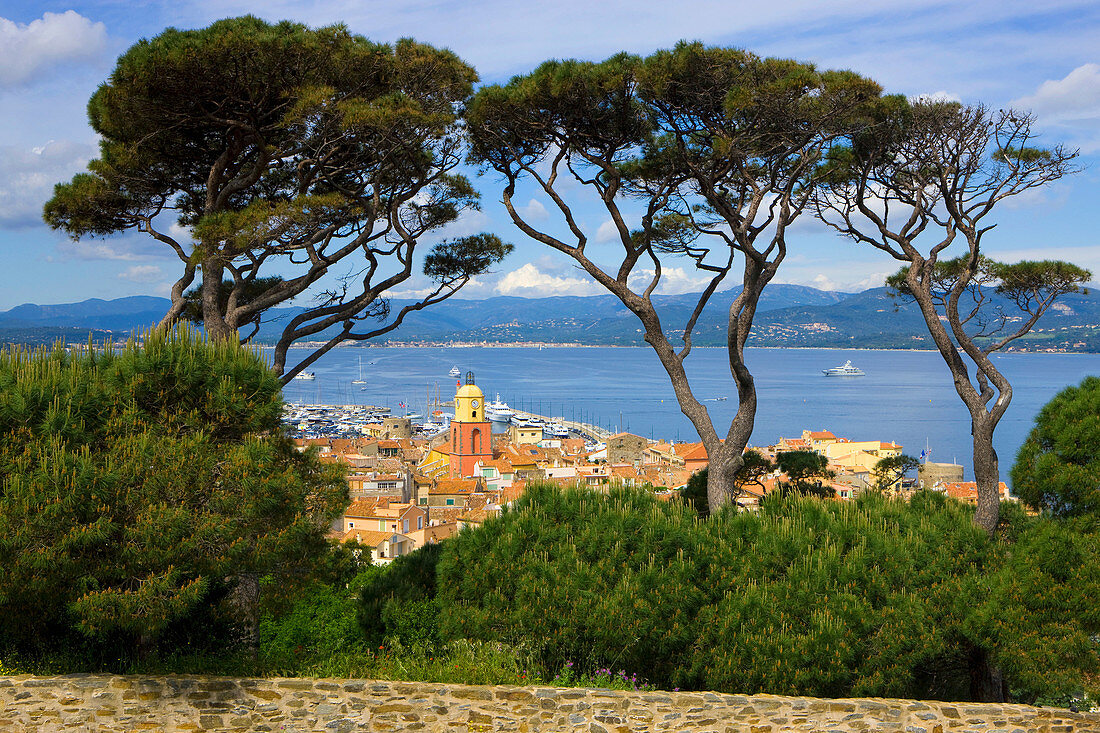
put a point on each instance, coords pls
(968, 490)
(474, 516)
(444, 513)
(365, 507)
(696, 452)
(572, 446)
(454, 486)
(821, 435)
(513, 492)
(369, 537)
(624, 471)
(393, 510)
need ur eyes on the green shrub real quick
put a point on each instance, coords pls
(398, 602)
(876, 597)
(1057, 468)
(138, 487)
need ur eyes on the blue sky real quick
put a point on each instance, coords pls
(1044, 57)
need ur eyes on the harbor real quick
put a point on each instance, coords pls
(353, 421)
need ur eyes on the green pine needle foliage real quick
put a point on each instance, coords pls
(876, 597)
(137, 484)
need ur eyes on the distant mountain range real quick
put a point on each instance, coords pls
(789, 315)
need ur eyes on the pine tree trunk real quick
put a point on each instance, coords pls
(987, 684)
(213, 320)
(245, 598)
(721, 469)
(987, 476)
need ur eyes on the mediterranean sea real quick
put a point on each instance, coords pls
(906, 396)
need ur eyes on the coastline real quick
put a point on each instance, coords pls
(577, 345)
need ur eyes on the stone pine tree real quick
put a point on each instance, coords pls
(922, 185)
(145, 491)
(1058, 467)
(697, 155)
(279, 161)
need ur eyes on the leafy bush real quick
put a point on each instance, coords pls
(876, 597)
(321, 623)
(1058, 467)
(398, 602)
(138, 488)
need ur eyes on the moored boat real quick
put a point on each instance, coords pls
(844, 370)
(498, 410)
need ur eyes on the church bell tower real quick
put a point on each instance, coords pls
(471, 432)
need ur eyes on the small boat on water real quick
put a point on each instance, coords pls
(844, 370)
(360, 380)
(307, 376)
(555, 430)
(455, 371)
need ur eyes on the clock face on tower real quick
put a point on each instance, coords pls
(474, 404)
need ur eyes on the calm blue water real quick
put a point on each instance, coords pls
(906, 396)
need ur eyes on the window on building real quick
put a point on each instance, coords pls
(420, 522)
(351, 525)
(405, 526)
(450, 502)
(423, 500)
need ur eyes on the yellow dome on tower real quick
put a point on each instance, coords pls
(469, 402)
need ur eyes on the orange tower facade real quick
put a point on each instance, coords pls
(471, 431)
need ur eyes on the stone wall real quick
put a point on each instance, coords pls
(106, 703)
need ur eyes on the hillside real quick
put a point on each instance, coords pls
(789, 315)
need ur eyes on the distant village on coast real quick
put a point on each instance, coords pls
(415, 480)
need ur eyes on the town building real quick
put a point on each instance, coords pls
(471, 432)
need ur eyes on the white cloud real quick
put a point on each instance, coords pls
(28, 50)
(1071, 105)
(607, 232)
(674, 280)
(141, 274)
(127, 247)
(1075, 97)
(96, 249)
(531, 282)
(835, 283)
(27, 178)
(533, 211)
(468, 223)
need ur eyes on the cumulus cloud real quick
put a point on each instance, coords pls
(533, 211)
(1070, 104)
(95, 249)
(141, 274)
(468, 223)
(531, 282)
(127, 247)
(28, 50)
(607, 232)
(832, 282)
(27, 178)
(674, 280)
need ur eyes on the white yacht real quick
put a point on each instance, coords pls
(455, 371)
(844, 370)
(498, 410)
(555, 430)
(305, 375)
